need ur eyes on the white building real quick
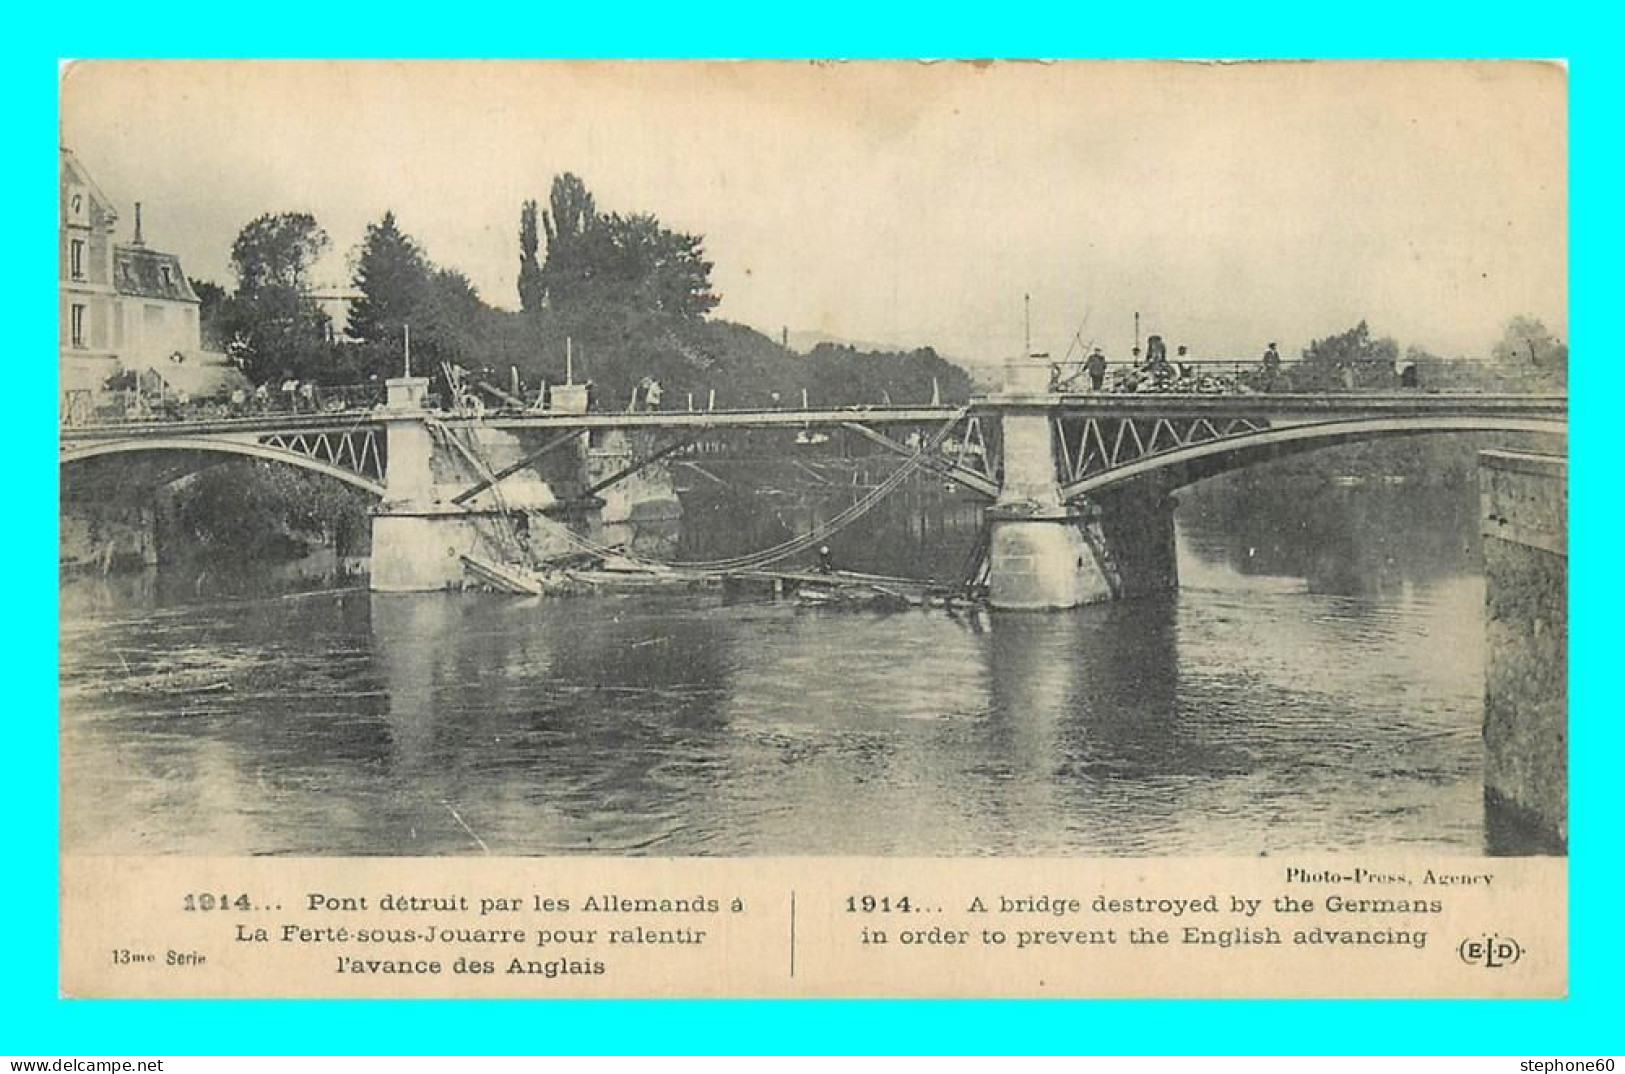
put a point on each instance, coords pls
(121, 306)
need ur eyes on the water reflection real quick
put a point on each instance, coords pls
(1299, 692)
(1367, 540)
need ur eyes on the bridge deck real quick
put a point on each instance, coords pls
(1271, 405)
(658, 419)
(1147, 405)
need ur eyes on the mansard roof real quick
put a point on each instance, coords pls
(138, 270)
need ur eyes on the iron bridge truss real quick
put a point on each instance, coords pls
(1090, 446)
(359, 450)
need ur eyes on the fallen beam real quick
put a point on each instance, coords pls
(508, 471)
(627, 471)
(967, 477)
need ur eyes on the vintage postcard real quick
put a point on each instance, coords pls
(813, 529)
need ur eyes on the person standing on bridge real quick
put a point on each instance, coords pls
(651, 395)
(1272, 367)
(1096, 368)
(1156, 352)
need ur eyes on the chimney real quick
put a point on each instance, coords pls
(138, 240)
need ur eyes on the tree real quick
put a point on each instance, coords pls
(570, 214)
(393, 277)
(450, 315)
(1528, 340)
(1529, 355)
(401, 287)
(655, 269)
(600, 265)
(532, 289)
(455, 295)
(570, 267)
(1352, 360)
(270, 511)
(270, 324)
(841, 375)
(277, 250)
(212, 300)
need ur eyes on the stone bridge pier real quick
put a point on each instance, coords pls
(1046, 553)
(426, 522)
(415, 536)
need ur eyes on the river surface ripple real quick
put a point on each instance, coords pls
(1296, 694)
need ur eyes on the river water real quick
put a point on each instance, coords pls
(1315, 684)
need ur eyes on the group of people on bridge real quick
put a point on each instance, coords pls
(1153, 370)
(1156, 371)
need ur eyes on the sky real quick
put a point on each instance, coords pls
(903, 204)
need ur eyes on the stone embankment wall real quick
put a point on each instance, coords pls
(1524, 508)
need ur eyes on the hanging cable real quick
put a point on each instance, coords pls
(795, 545)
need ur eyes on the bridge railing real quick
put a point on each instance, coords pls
(1232, 376)
(137, 407)
(1200, 377)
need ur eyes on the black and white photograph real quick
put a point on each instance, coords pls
(677, 459)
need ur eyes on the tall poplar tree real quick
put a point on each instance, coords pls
(532, 290)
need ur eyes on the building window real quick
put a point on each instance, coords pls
(76, 258)
(169, 281)
(78, 325)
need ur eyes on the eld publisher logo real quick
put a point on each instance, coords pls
(1492, 952)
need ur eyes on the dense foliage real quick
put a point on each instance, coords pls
(626, 297)
(402, 291)
(270, 324)
(1528, 358)
(265, 510)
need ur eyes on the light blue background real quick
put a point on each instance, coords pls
(34, 1021)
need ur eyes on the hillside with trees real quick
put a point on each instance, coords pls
(623, 294)
(628, 297)
(1527, 358)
